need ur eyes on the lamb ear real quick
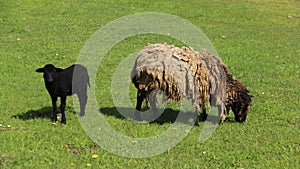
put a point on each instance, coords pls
(40, 70)
(59, 69)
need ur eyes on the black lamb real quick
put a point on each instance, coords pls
(65, 82)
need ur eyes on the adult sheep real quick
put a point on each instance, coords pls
(237, 95)
(179, 73)
(65, 82)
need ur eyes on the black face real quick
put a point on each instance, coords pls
(49, 77)
(240, 112)
(49, 73)
(241, 108)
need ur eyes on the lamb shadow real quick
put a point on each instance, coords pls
(168, 115)
(43, 113)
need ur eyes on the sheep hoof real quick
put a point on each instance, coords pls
(159, 121)
(196, 124)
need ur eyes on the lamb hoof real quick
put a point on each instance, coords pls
(54, 118)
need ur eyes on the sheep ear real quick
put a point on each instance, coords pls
(59, 69)
(40, 70)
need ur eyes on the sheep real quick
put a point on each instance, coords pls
(65, 82)
(216, 84)
(237, 98)
(178, 72)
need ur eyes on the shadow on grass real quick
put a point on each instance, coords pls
(43, 113)
(167, 115)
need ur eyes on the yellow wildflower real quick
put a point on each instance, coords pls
(94, 156)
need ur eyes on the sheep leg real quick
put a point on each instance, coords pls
(82, 100)
(203, 115)
(62, 108)
(54, 115)
(196, 123)
(222, 116)
(147, 103)
(139, 100)
(152, 99)
(227, 108)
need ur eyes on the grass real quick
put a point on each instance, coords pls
(261, 48)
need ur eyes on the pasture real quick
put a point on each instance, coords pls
(258, 40)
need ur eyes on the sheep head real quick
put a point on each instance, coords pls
(49, 71)
(241, 107)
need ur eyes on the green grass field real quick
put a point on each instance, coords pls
(258, 40)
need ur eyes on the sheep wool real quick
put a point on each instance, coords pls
(217, 81)
(237, 97)
(178, 72)
(196, 75)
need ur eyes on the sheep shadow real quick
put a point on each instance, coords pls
(43, 113)
(167, 115)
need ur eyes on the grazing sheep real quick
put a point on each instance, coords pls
(237, 98)
(178, 72)
(65, 82)
(162, 67)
